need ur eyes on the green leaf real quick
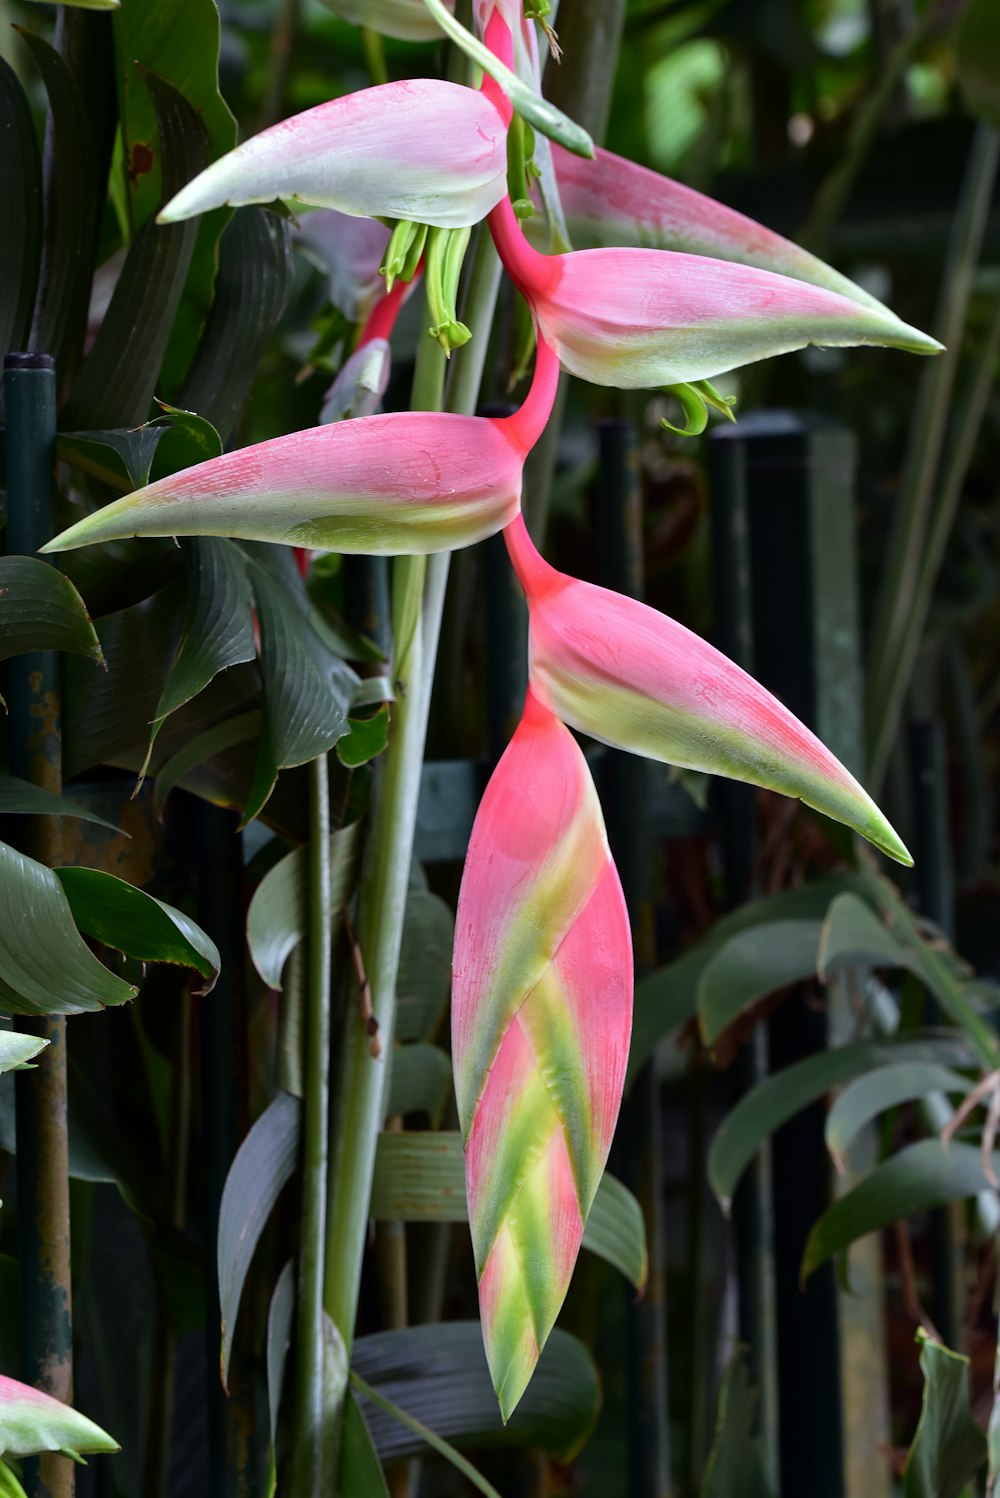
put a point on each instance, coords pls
(426, 1436)
(31, 1422)
(420, 1177)
(279, 1337)
(920, 1176)
(41, 610)
(16, 1051)
(21, 196)
(9, 1485)
(121, 459)
(854, 936)
(218, 625)
(750, 966)
(264, 1163)
(82, 4)
(949, 1448)
(121, 916)
(278, 916)
(977, 59)
(46, 966)
(202, 748)
(529, 105)
(365, 739)
(438, 1375)
(361, 1474)
(251, 292)
(20, 797)
(875, 1093)
(118, 378)
(419, 1082)
(424, 976)
(736, 1466)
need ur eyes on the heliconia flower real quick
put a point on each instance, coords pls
(541, 1019)
(421, 149)
(408, 482)
(612, 201)
(634, 678)
(32, 1422)
(640, 319)
(349, 250)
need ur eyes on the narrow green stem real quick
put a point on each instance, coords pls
(313, 1418)
(900, 579)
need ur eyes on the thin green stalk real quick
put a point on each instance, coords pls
(904, 562)
(312, 1418)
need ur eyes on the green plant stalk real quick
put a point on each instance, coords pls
(312, 1422)
(904, 561)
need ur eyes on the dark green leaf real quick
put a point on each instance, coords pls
(264, 1163)
(279, 1337)
(420, 1177)
(201, 749)
(977, 58)
(752, 965)
(424, 977)
(874, 1093)
(251, 292)
(278, 916)
(425, 1435)
(918, 1177)
(949, 1448)
(120, 373)
(21, 196)
(9, 1485)
(420, 1081)
(736, 1466)
(854, 936)
(361, 1474)
(21, 797)
(16, 1051)
(46, 966)
(121, 459)
(41, 610)
(121, 916)
(365, 739)
(438, 1374)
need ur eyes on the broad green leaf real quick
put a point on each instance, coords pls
(736, 1466)
(530, 105)
(667, 998)
(854, 936)
(120, 373)
(17, 1051)
(278, 916)
(20, 797)
(264, 1163)
(425, 1435)
(420, 1177)
(31, 1422)
(279, 1336)
(46, 966)
(920, 1176)
(876, 1092)
(121, 916)
(420, 1081)
(188, 438)
(977, 58)
(424, 976)
(251, 292)
(438, 1374)
(203, 747)
(41, 610)
(361, 1474)
(752, 965)
(949, 1448)
(365, 739)
(21, 195)
(218, 625)
(83, 4)
(121, 459)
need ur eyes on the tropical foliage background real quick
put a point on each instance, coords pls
(805, 1029)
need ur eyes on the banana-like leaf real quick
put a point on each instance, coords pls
(424, 976)
(196, 755)
(31, 1421)
(949, 1448)
(365, 739)
(736, 1464)
(425, 1434)
(420, 1081)
(21, 797)
(41, 610)
(278, 916)
(878, 1091)
(750, 966)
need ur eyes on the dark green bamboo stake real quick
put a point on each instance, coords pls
(35, 754)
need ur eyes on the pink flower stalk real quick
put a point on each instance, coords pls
(31, 1422)
(541, 1019)
(410, 482)
(421, 149)
(636, 679)
(611, 201)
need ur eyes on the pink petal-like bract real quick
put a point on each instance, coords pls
(644, 318)
(409, 482)
(420, 149)
(611, 201)
(31, 1422)
(541, 1019)
(632, 677)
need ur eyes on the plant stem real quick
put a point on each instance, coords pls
(887, 683)
(312, 1418)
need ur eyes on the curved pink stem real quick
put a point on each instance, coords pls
(382, 318)
(528, 422)
(534, 573)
